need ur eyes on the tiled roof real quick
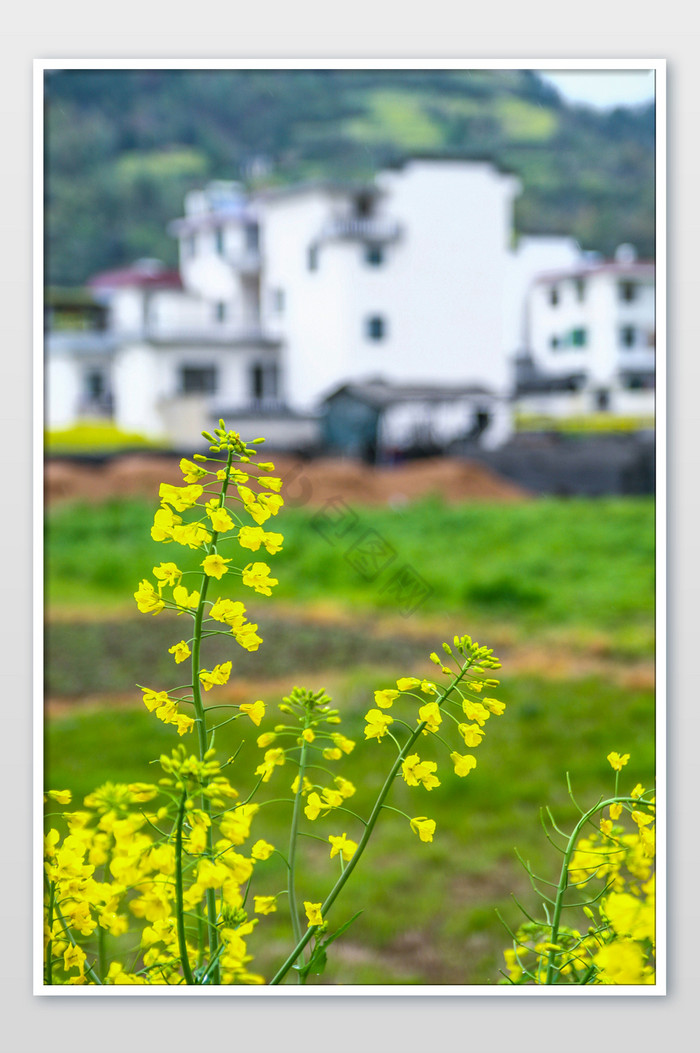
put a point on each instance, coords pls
(137, 275)
(635, 269)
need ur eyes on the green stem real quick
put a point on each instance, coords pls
(200, 716)
(371, 822)
(564, 877)
(49, 945)
(291, 856)
(71, 939)
(179, 899)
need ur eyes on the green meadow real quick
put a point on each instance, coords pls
(562, 589)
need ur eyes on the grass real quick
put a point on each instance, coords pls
(550, 563)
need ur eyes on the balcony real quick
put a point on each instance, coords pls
(360, 228)
(246, 262)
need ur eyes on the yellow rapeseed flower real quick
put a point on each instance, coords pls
(344, 846)
(180, 651)
(191, 472)
(471, 733)
(167, 574)
(148, 600)
(255, 710)
(262, 850)
(264, 904)
(377, 724)
(257, 576)
(463, 763)
(218, 675)
(385, 699)
(313, 913)
(220, 519)
(183, 598)
(180, 497)
(407, 683)
(616, 761)
(424, 827)
(215, 565)
(431, 716)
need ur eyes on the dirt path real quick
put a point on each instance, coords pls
(300, 648)
(311, 482)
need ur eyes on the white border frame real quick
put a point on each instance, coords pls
(659, 68)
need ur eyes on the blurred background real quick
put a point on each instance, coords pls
(433, 291)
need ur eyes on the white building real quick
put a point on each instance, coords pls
(590, 341)
(284, 295)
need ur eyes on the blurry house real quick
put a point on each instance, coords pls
(589, 344)
(381, 421)
(284, 295)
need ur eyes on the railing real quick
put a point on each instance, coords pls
(375, 230)
(247, 262)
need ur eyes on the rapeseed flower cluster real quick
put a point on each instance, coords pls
(117, 873)
(613, 865)
(153, 883)
(428, 707)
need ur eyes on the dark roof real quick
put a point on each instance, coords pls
(276, 412)
(541, 383)
(380, 393)
(458, 158)
(633, 269)
(145, 274)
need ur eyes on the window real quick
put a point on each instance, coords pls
(263, 381)
(635, 382)
(627, 291)
(628, 336)
(198, 380)
(375, 327)
(364, 205)
(580, 289)
(374, 255)
(312, 258)
(578, 337)
(95, 386)
(553, 295)
(252, 237)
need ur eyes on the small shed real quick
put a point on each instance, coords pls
(382, 421)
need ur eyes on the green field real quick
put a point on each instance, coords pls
(578, 564)
(564, 587)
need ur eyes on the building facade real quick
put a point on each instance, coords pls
(282, 296)
(590, 346)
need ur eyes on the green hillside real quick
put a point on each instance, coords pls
(124, 146)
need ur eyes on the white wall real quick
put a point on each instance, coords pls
(533, 255)
(62, 382)
(315, 318)
(137, 387)
(602, 314)
(440, 288)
